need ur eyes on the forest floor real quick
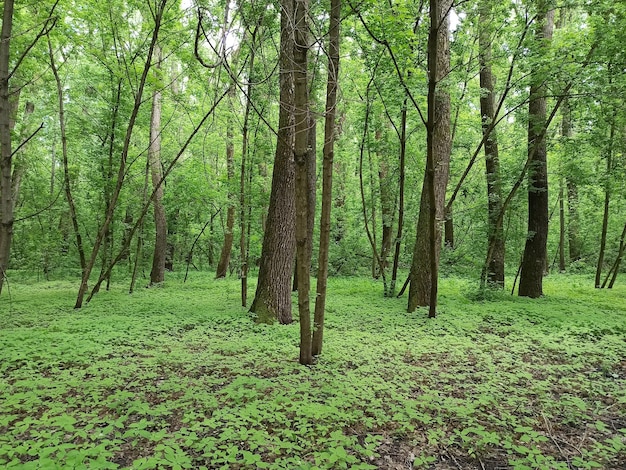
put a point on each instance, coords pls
(180, 377)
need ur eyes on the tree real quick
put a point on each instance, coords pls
(534, 258)
(425, 264)
(272, 300)
(495, 276)
(327, 176)
(157, 274)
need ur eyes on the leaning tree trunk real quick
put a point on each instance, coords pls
(157, 274)
(327, 177)
(607, 201)
(6, 202)
(66, 171)
(401, 178)
(425, 265)
(222, 265)
(534, 259)
(272, 300)
(495, 274)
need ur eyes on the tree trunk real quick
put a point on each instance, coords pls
(561, 226)
(618, 260)
(6, 202)
(302, 191)
(222, 265)
(157, 274)
(607, 200)
(124, 155)
(425, 265)
(327, 176)
(387, 210)
(273, 294)
(495, 237)
(401, 178)
(66, 171)
(534, 260)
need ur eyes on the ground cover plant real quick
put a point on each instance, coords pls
(181, 377)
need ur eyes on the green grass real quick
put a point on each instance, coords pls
(180, 377)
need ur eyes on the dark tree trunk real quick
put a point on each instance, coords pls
(534, 260)
(302, 190)
(618, 260)
(387, 210)
(222, 265)
(327, 176)
(157, 274)
(607, 201)
(273, 294)
(6, 200)
(425, 265)
(561, 226)
(495, 237)
(401, 178)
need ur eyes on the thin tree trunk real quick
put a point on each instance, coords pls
(534, 261)
(66, 171)
(273, 293)
(124, 155)
(401, 178)
(302, 156)
(327, 177)
(607, 200)
(495, 237)
(6, 202)
(618, 260)
(157, 274)
(139, 246)
(561, 226)
(425, 265)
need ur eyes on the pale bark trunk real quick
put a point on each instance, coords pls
(157, 274)
(425, 265)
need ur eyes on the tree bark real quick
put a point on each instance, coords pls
(222, 265)
(401, 178)
(157, 274)
(272, 300)
(6, 201)
(425, 265)
(66, 171)
(122, 167)
(495, 237)
(534, 260)
(327, 176)
(607, 201)
(302, 192)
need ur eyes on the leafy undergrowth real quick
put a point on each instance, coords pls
(180, 377)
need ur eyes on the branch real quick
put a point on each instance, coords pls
(27, 140)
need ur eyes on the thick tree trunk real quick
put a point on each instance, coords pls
(222, 265)
(6, 200)
(327, 176)
(495, 236)
(157, 274)
(273, 294)
(425, 265)
(534, 260)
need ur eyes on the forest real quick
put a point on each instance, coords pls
(313, 234)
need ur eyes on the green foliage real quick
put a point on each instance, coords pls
(179, 377)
